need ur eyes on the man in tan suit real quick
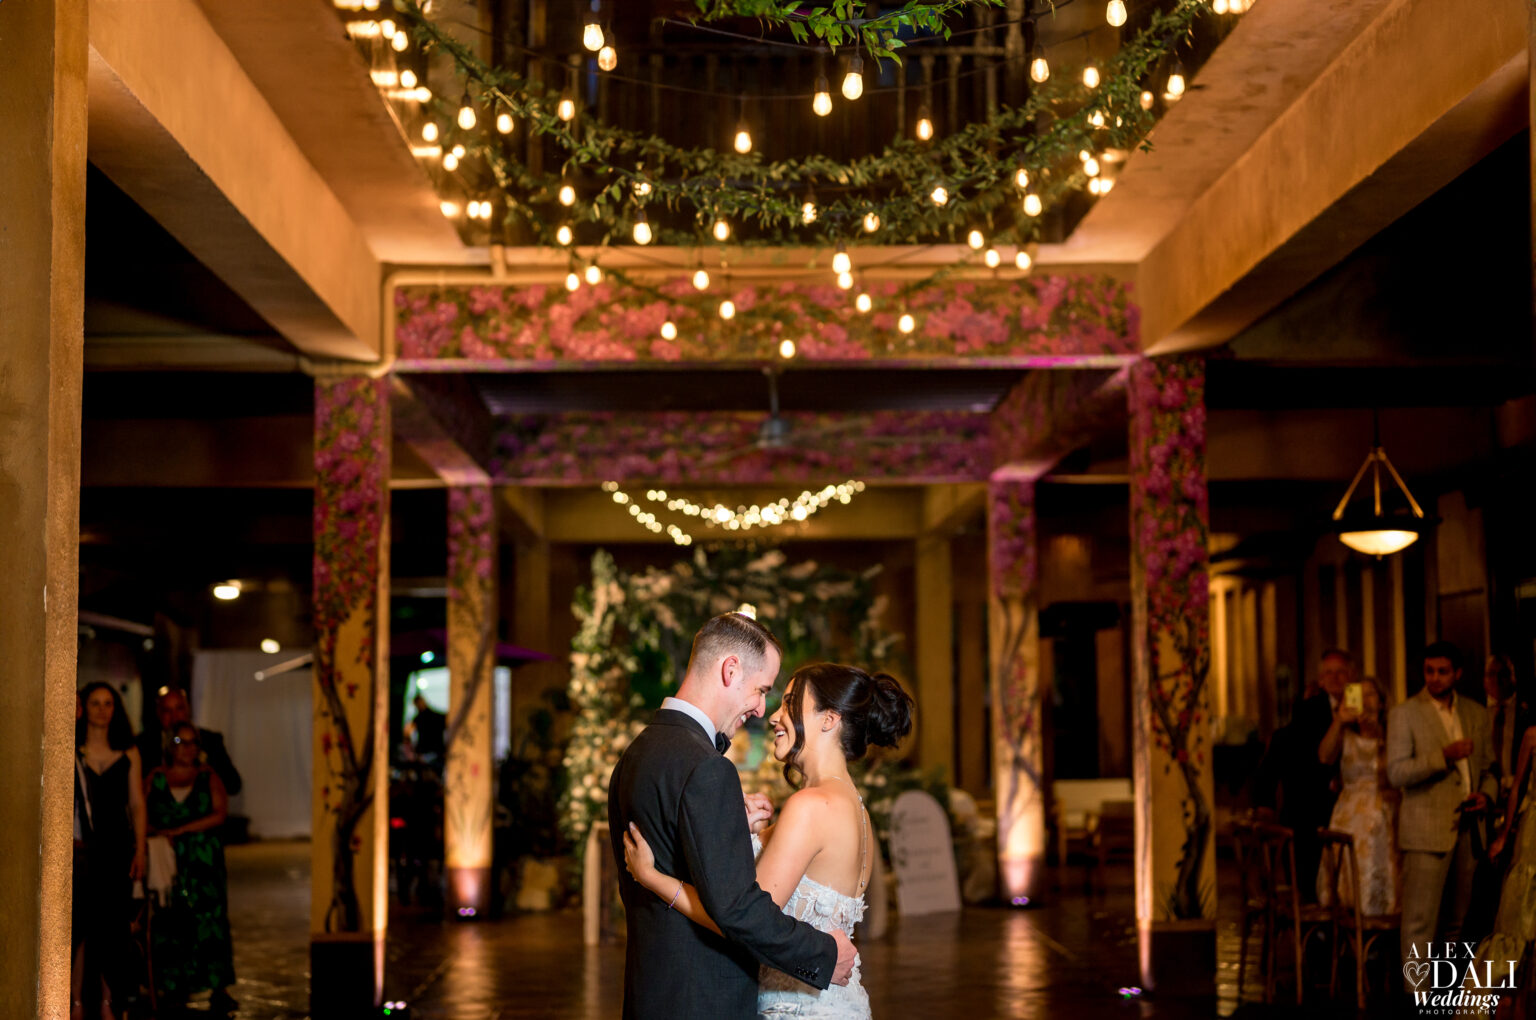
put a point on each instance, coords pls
(1440, 755)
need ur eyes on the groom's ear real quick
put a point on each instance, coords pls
(730, 669)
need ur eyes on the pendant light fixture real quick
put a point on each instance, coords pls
(1378, 534)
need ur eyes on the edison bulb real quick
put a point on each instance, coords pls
(567, 194)
(669, 330)
(1219, 7)
(864, 302)
(407, 79)
(1022, 260)
(787, 349)
(906, 323)
(466, 115)
(429, 132)
(450, 209)
(567, 108)
(853, 81)
(572, 281)
(607, 58)
(975, 240)
(399, 42)
(924, 125)
(845, 281)
(1091, 76)
(1176, 83)
(594, 274)
(504, 123)
(1096, 118)
(1094, 186)
(808, 213)
(743, 143)
(871, 222)
(1105, 184)
(722, 230)
(592, 36)
(1115, 13)
(701, 280)
(1021, 178)
(1032, 204)
(992, 258)
(458, 152)
(473, 211)
(1091, 167)
(727, 309)
(940, 195)
(642, 229)
(642, 189)
(841, 261)
(451, 161)
(1147, 99)
(1039, 67)
(564, 236)
(821, 102)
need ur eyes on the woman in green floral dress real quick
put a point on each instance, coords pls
(189, 937)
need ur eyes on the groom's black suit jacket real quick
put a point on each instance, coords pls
(686, 799)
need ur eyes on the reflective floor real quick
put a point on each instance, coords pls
(1067, 959)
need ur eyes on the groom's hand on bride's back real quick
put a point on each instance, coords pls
(847, 956)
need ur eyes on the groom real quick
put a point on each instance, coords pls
(686, 798)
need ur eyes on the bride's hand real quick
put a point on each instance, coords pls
(639, 859)
(759, 811)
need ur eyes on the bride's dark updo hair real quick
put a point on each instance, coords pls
(873, 707)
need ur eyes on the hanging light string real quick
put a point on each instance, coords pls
(762, 191)
(783, 511)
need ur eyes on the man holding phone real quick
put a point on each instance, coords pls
(1440, 755)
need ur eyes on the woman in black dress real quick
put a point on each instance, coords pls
(112, 855)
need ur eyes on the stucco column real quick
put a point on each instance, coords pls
(1171, 725)
(1014, 624)
(350, 841)
(934, 647)
(42, 293)
(469, 800)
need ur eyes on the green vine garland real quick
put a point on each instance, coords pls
(845, 22)
(976, 164)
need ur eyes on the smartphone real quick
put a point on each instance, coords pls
(1354, 696)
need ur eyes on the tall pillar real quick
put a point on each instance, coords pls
(1171, 649)
(42, 294)
(350, 841)
(530, 627)
(1018, 759)
(469, 799)
(934, 649)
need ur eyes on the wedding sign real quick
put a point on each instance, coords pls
(923, 856)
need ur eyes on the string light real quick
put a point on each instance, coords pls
(841, 261)
(721, 230)
(399, 42)
(1021, 178)
(701, 279)
(1219, 7)
(1147, 99)
(808, 211)
(451, 162)
(567, 109)
(1032, 204)
(871, 222)
(642, 188)
(975, 240)
(458, 152)
(642, 228)
(1115, 13)
(1039, 67)
(564, 235)
(1091, 167)
(924, 124)
(1105, 184)
(450, 209)
(940, 195)
(786, 349)
(1176, 82)
(572, 281)
(845, 281)
(592, 31)
(407, 79)
(1095, 186)
(853, 81)
(780, 512)
(727, 309)
(429, 131)
(669, 330)
(743, 142)
(567, 194)
(992, 258)
(906, 323)
(1022, 260)
(864, 302)
(473, 209)
(607, 58)
(1096, 118)
(821, 102)
(1091, 75)
(505, 123)
(384, 79)
(466, 114)
(594, 274)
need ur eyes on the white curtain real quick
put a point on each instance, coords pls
(268, 727)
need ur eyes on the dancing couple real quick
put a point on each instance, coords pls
(711, 934)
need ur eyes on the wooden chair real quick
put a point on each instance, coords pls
(1361, 930)
(1278, 846)
(1257, 898)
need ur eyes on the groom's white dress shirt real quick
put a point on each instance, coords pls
(694, 712)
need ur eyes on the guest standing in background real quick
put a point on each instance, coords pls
(1439, 755)
(190, 942)
(428, 731)
(113, 853)
(1514, 929)
(1508, 717)
(171, 710)
(1309, 782)
(1367, 805)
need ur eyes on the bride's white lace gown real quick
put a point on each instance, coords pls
(780, 995)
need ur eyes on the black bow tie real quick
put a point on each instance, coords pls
(722, 743)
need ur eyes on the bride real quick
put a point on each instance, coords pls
(816, 861)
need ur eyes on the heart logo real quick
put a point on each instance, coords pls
(1416, 971)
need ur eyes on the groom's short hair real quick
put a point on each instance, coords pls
(733, 634)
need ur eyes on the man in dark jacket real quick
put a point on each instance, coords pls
(675, 785)
(171, 710)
